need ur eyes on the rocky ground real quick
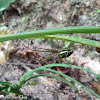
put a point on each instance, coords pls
(45, 14)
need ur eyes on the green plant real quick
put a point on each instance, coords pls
(52, 34)
(24, 18)
(97, 10)
(4, 4)
(15, 88)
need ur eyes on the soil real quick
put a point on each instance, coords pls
(22, 16)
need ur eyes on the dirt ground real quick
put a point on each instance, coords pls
(30, 15)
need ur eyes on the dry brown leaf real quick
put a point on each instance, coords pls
(3, 57)
(81, 72)
(33, 52)
(84, 99)
(5, 47)
(96, 86)
(83, 63)
(25, 53)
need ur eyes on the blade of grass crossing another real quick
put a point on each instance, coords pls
(90, 90)
(75, 39)
(26, 75)
(56, 77)
(55, 31)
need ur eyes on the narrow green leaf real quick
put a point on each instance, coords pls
(5, 3)
(54, 76)
(79, 40)
(90, 90)
(63, 30)
(83, 41)
(5, 83)
(25, 76)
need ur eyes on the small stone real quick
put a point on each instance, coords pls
(85, 79)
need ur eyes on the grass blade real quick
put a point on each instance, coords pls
(56, 77)
(55, 31)
(25, 76)
(79, 40)
(90, 90)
